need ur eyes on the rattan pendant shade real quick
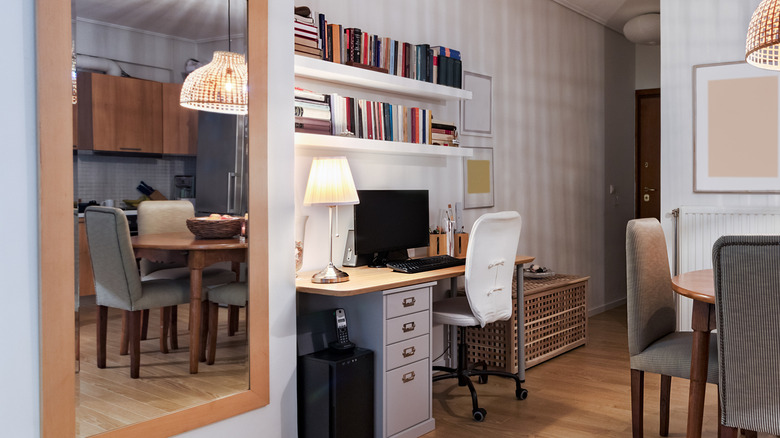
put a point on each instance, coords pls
(762, 47)
(219, 86)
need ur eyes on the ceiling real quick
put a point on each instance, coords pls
(203, 20)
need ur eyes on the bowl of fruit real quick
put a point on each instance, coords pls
(215, 226)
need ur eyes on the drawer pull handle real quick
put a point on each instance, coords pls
(409, 302)
(129, 149)
(408, 327)
(409, 351)
(408, 377)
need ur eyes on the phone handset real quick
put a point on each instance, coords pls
(342, 333)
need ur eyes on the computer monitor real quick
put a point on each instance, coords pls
(390, 220)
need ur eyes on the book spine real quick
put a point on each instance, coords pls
(311, 113)
(322, 33)
(429, 66)
(457, 74)
(329, 39)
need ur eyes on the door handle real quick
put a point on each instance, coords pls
(648, 189)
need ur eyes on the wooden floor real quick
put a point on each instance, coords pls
(583, 393)
(108, 398)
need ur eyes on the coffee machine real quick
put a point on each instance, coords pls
(184, 187)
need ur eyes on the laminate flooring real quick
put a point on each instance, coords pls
(108, 398)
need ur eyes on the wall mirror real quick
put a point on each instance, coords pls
(157, 404)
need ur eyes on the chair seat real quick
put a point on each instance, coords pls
(211, 276)
(162, 293)
(671, 356)
(232, 294)
(454, 311)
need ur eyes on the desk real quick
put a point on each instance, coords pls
(390, 313)
(699, 286)
(199, 254)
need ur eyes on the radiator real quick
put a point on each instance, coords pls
(697, 230)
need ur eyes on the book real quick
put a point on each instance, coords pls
(309, 55)
(335, 43)
(304, 20)
(307, 49)
(301, 93)
(312, 123)
(306, 42)
(446, 52)
(310, 113)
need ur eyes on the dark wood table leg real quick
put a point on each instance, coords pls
(702, 323)
(196, 279)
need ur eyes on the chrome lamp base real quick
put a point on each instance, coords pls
(330, 274)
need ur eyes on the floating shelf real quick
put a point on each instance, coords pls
(325, 71)
(336, 143)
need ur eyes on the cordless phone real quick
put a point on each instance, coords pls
(342, 334)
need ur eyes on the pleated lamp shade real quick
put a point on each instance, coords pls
(219, 86)
(762, 46)
(330, 183)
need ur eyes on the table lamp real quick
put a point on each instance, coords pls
(330, 183)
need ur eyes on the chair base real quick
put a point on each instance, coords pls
(465, 371)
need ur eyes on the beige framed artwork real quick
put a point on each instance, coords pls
(478, 179)
(736, 112)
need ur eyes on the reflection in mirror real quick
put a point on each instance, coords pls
(134, 142)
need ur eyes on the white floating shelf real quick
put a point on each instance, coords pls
(320, 70)
(337, 143)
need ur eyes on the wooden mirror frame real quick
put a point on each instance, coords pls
(55, 185)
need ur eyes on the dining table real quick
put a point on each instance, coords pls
(198, 254)
(699, 286)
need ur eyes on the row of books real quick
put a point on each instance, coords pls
(312, 112)
(307, 37)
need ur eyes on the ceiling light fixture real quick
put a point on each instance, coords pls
(762, 45)
(219, 86)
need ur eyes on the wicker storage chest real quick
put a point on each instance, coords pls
(555, 322)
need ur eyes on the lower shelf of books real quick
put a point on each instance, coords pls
(334, 142)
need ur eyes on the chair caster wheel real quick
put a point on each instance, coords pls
(521, 394)
(483, 379)
(479, 414)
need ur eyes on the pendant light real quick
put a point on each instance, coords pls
(219, 86)
(762, 46)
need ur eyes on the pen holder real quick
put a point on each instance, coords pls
(461, 244)
(437, 244)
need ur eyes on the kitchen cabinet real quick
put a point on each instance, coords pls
(118, 114)
(179, 124)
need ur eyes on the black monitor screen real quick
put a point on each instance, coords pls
(390, 220)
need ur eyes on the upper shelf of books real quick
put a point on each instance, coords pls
(320, 70)
(334, 142)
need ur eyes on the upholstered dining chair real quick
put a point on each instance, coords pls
(231, 294)
(119, 285)
(653, 344)
(171, 217)
(490, 263)
(746, 271)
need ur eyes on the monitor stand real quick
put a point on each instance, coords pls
(381, 259)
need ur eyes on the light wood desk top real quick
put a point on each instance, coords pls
(364, 279)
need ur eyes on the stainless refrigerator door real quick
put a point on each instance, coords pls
(220, 164)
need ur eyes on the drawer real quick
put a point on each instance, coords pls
(404, 303)
(408, 398)
(405, 352)
(407, 327)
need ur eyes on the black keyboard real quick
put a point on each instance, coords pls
(413, 266)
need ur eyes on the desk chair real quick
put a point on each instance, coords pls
(746, 271)
(653, 344)
(489, 267)
(118, 284)
(231, 294)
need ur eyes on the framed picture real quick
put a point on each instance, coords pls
(476, 115)
(478, 179)
(736, 113)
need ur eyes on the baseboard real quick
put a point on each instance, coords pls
(605, 307)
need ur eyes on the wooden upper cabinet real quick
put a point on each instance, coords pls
(119, 114)
(179, 124)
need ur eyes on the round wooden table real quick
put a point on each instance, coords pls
(699, 286)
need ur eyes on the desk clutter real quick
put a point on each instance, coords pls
(556, 321)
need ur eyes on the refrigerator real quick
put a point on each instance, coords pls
(221, 170)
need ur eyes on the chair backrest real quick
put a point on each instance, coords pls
(117, 283)
(650, 299)
(490, 263)
(163, 217)
(746, 272)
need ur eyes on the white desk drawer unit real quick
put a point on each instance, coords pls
(408, 396)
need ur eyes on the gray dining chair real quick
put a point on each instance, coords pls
(746, 272)
(653, 344)
(119, 285)
(231, 294)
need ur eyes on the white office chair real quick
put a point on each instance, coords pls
(489, 267)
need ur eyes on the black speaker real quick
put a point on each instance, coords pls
(351, 258)
(336, 394)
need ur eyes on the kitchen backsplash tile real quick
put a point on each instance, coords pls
(101, 177)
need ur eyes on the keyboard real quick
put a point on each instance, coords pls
(413, 266)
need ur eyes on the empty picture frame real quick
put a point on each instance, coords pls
(478, 179)
(736, 112)
(476, 115)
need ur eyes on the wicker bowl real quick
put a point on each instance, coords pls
(204, 228)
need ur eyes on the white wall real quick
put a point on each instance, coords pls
(19, 386)
(648, 67)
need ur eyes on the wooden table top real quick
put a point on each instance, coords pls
(364, 279)
(184, 241)
(698, 285)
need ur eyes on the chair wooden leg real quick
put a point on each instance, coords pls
(145, 325)
(637, 402)
(213, 322)
(174, 328)
(233, 319)
(204, 329)
(165, 322)
(666, 390)
(102, 326)
(125, 330)
(135, 342)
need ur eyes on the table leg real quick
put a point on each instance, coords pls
(196, 279)
(520, 323)
(702, 324)
(453, 328)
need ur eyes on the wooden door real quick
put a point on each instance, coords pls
(179, 124)
(648, 154)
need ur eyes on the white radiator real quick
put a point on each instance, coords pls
(697, 230)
